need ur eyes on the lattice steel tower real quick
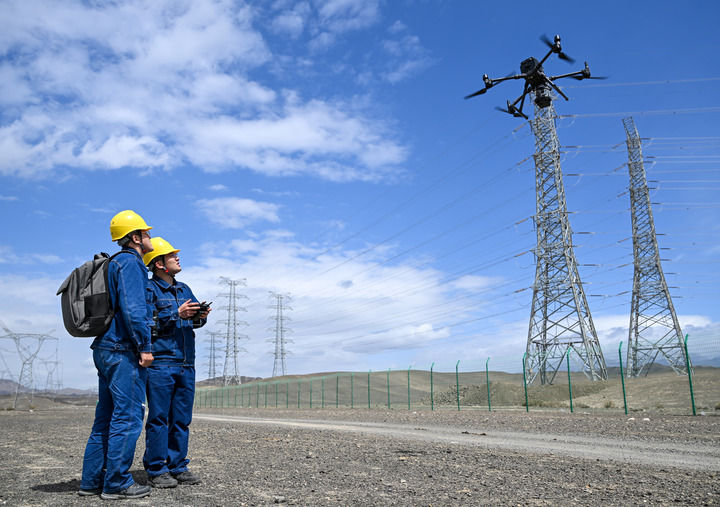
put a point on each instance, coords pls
(560, 316)
(230, 368)
(280, 340)
(28, 346)
(654, 326)
(212, 359)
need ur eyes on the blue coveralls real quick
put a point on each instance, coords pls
(121, 380)
(171, 381)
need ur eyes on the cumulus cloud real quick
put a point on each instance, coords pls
(235, 213)
(9, 256)
(156, 86)
(405, 54)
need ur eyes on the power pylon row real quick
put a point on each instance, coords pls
(560, 319)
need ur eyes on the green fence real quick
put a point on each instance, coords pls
(455, 387)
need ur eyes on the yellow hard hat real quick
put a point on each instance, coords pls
(160, 248)
(125, 222)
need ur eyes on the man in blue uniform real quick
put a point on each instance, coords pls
(121, 355)
(171, 378)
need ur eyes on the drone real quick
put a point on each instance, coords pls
(536, 81)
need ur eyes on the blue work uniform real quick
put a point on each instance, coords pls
(121, 380)
(171, 381)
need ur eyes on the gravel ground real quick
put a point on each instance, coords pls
(361, 457)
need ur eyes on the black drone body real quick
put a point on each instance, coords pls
(536, 81)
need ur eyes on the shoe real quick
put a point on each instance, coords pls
(187, 477)
(89, 492)
(134, 491)
(163, 481)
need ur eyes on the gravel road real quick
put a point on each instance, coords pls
(361, 457)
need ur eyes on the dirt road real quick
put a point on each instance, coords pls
(697, 456)
(361, 457)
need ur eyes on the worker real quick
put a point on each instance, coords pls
(122, 355)
(171, 378)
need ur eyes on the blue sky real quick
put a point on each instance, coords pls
(324, 149)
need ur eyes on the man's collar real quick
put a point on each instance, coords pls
(162, 283)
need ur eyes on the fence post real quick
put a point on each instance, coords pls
(322, 391)
(298, 400)
(687, 365)
(257, 396)
(276, 394)
(567, 353)
(432, 397)
(369, 371)
(409, 386)
(337, 390)
(310, 393)
(388, 387)
(527, 406)
(622, 377)
(352, 389)
(457, 384)
(487, 381)
(287, 394)
(266, 388)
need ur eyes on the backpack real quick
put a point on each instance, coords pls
(85, 299)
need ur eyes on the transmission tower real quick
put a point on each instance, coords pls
(654, 326)
(28, 346)
(560, 316)
(281, 304)
(212, 361)
(230, 369)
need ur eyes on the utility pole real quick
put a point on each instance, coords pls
(230, 368)
(28, 346)
(280, 305)
(654, 326)
(560, 316)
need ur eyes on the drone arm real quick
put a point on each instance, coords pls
(501, 79)
(558, 89)
(578, 74)
(543, 60)
(525, 91)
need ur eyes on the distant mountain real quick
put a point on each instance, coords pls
(8, 386)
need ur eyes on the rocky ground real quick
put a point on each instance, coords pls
(362, 457)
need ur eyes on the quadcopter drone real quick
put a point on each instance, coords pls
(535, 80)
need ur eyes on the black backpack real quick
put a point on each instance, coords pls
(85, 298)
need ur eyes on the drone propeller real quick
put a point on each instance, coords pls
(479, 92)
(580, 78)
(556, 48)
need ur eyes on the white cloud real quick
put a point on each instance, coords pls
(292, 21)
(235, 213)
(9, 256)
(218, 188)
(155, 86)
(8, 198)
(405, 55)
(343, 15)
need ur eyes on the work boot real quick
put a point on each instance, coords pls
(162, 481)
(89, 492)
(187, 477)
(134, 491)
